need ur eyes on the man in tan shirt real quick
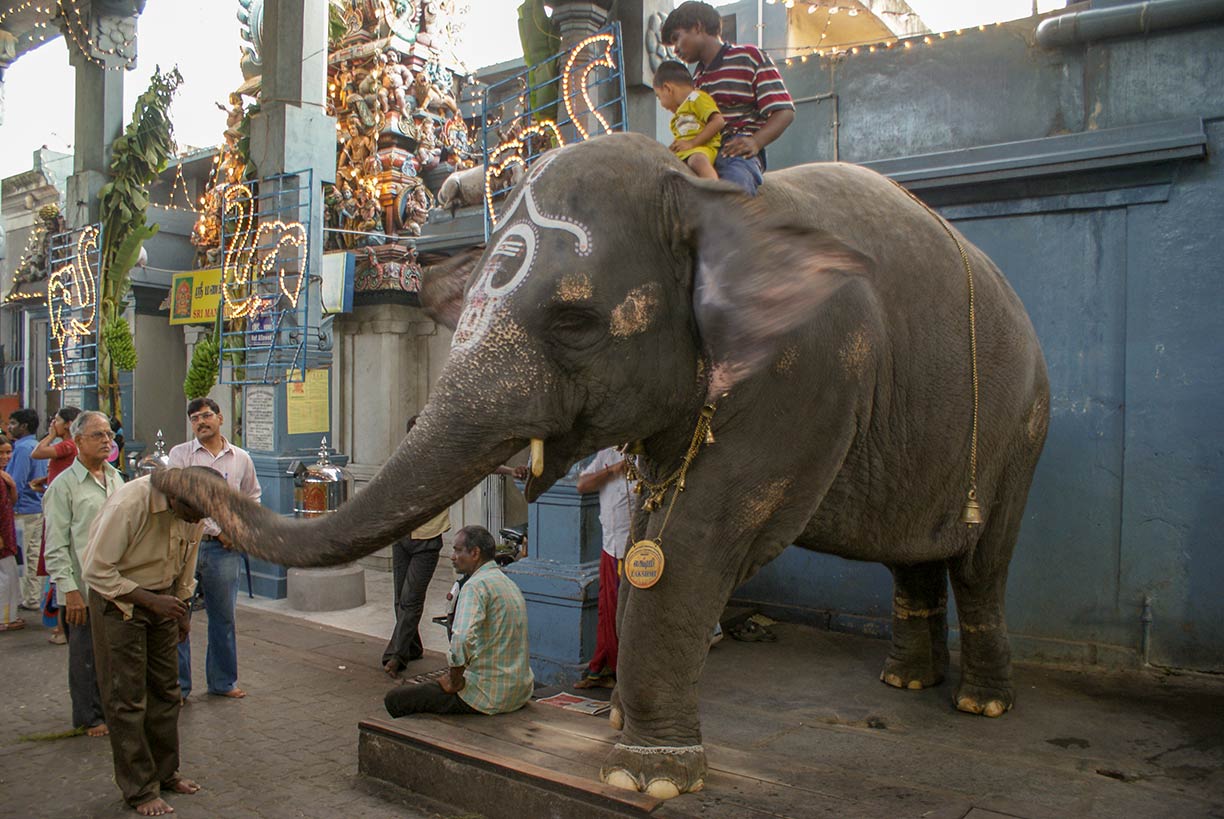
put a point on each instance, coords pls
(140, 567)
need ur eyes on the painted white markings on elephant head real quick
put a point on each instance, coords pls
(526, 194)
(509, 263)
(505, 269)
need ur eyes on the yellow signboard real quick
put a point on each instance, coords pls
(195, 296)
(307, 403)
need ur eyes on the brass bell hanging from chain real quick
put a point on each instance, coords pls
(971, 514)
(709, 436)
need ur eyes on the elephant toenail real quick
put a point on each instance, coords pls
(616, 719)
(914, 685)
(662, 789)
(620, 778)
(893, 680)
(994, 708)
(969, 705)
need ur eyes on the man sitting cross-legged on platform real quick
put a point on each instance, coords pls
(489, 672)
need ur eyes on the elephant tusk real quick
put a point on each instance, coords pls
(537, 456)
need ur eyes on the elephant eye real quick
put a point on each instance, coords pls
(577, 327)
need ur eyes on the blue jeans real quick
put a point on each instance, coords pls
(217, 570)
(742, 171)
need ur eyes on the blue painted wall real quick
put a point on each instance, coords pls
(1119, 263)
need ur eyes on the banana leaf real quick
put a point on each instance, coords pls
(539, 44)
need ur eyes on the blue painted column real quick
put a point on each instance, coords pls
(560, 581)
(266, 421)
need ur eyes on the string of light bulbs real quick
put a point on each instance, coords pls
(84, 42)
(872, 46)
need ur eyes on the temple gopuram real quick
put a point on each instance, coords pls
(393, 83)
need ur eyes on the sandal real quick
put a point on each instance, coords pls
(57, 638)
(751, 632)
(13, 626)
(597, 681)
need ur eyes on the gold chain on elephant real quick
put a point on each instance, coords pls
(971, 514)
(644, 562)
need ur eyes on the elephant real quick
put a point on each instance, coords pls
(827, 323)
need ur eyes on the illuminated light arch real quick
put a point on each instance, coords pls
(606, 60)
(72, 302)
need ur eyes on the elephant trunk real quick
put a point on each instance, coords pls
(448, 452)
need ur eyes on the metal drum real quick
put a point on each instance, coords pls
(320, 488)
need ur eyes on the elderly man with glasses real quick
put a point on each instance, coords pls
(72, 502)
(218, 566)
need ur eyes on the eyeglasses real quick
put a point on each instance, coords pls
(201, 416)
(99, 435)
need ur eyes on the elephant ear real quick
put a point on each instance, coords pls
(759, 275)
(444, 284)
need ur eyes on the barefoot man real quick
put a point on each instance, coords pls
(140, 567)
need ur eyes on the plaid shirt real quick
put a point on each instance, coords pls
(489, 636)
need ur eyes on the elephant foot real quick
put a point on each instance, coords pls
(662, 772)
(913, 676)
(989, 701)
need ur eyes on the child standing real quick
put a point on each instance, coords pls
(696, 121)
(10, 582)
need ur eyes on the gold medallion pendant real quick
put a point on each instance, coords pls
(644, 564)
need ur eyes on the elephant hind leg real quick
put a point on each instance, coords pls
(979, 581)
(918, 657)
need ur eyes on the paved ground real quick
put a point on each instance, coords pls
(1079, 744)
(287, 750)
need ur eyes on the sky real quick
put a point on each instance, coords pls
(201, 38)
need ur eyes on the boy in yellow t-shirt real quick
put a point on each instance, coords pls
(696, 122)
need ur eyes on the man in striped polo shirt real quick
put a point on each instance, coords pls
(742, 80)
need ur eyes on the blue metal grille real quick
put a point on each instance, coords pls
(266, 335)
(520, 120)
(72, 302)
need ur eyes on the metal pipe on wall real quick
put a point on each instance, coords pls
(1124, 21)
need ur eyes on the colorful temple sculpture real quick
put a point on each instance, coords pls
(393, 84)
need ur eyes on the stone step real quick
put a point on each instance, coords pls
(445, 761)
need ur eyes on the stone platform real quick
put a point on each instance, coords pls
(803, 728)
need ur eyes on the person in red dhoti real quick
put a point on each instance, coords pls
(606, 475)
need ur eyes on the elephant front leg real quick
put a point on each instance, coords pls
(918, 657)
(664, 638)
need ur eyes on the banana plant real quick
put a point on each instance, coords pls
(137, 157)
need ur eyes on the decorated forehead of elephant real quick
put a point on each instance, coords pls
(509, 262)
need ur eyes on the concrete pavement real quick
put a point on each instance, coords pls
(288, 750)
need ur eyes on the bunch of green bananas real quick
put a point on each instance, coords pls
(118, 338)
(202, 374)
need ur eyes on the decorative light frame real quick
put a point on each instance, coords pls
(72, 304)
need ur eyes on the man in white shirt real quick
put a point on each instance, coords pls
(606, 475)
(217, 566)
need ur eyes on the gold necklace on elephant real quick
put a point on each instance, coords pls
(644, 562)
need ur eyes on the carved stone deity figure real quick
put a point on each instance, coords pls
(413, 207)
(397, 79)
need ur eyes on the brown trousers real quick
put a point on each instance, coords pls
(137, 664)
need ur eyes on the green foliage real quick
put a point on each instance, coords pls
(137, 157)
(118, 339)
(336, 27)
(539, 43)
(205, 363)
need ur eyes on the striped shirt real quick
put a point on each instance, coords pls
(746, 86)
(489, 636)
